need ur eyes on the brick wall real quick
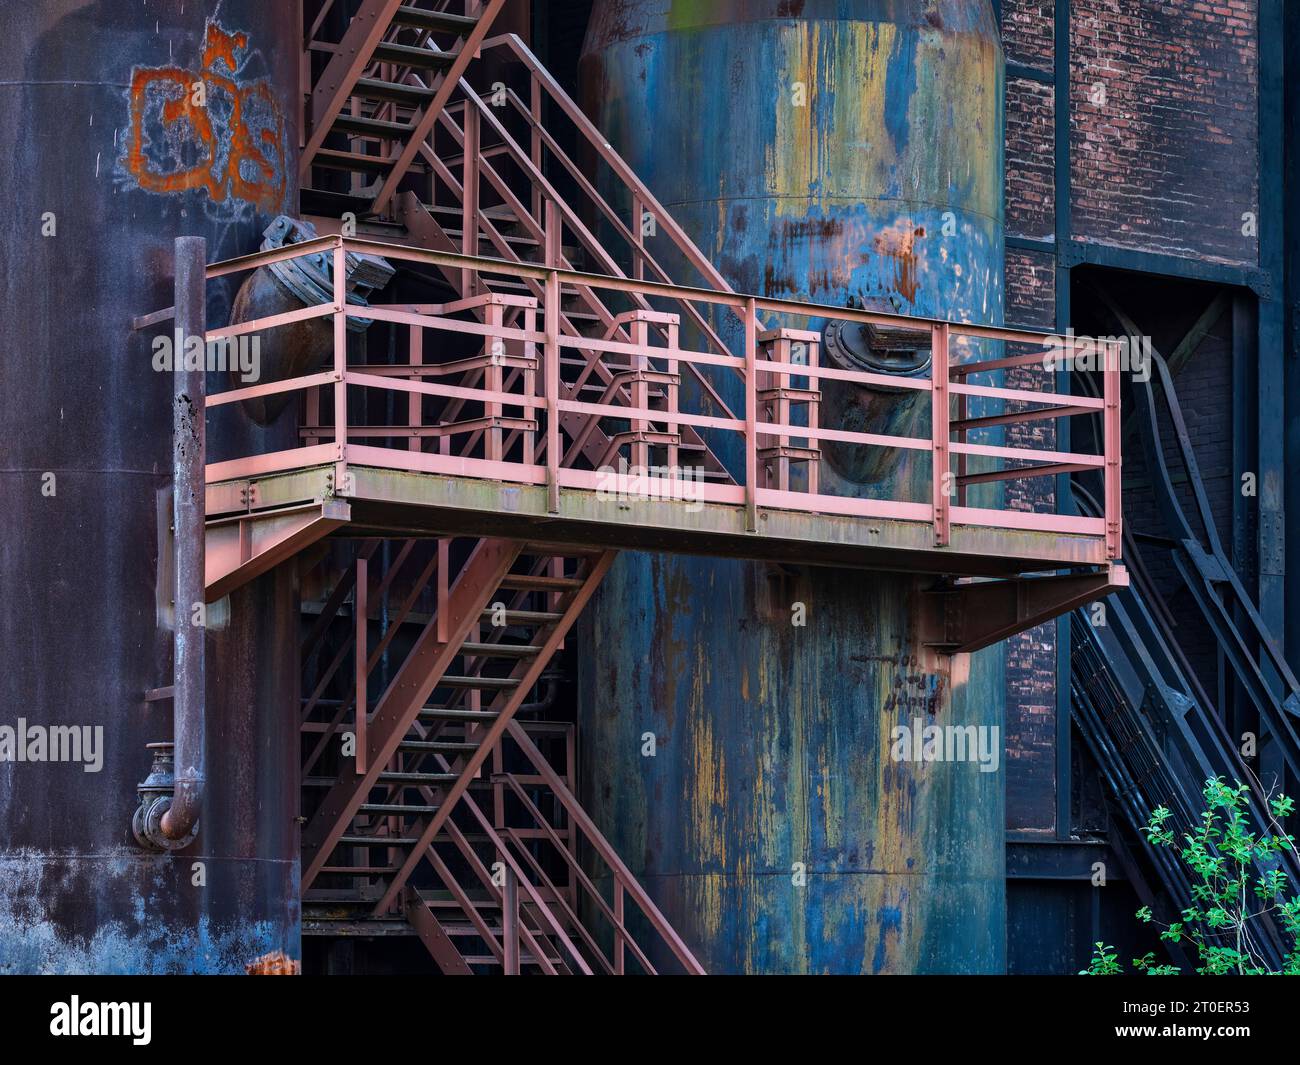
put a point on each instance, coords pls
(1027, 32)
(1031, 159)
(1164, 125)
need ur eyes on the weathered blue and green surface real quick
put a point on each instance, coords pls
(822, 151)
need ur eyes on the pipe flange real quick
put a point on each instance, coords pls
(858, 346)
(146, 824)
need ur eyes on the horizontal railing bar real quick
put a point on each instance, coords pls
(274, 321)
(1026, 454)
(272, 462)
(619, 347)
(397, 384)
(1021, 395)
(689, 294)
(645, 287)
(900, 510)
(966, 424)
(453, 325)
(273, 255)
(606, 410)
(909, 443)
(271, 388)
(451, 465)
(1025, 472)
(1017, 519)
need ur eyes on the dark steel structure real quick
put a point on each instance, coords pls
(451, 527)
(104, 167)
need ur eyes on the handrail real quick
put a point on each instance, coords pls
(628, 883)
(518, 403)
(620, 167)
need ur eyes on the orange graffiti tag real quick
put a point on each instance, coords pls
(228, 140)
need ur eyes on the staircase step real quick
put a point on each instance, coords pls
(410, 56)
(435, 745)
(418, 778)
(447, 713)
(353, 162)
(411, 95)
(499, 216)
(396, 808)
(527, 583)
(500, 650)
(524, 959)
(372, 127)
(496, 684)
(524, 617)
(518, 241)
(435, 20)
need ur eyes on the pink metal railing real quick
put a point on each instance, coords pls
(526, 417)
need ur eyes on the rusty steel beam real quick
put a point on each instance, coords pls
(962, 618)
(244, 547)
(436, 941)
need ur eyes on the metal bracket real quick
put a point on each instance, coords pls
(244, 546)
(961, 618)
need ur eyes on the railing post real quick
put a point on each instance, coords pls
(469, 205)
(551, 358)
(510, 923)
(443, 586)
(361, 609)
(939, 423)
(415, 402)
(1114, 506)
(751, 415)
(619, 952)
(340, 366)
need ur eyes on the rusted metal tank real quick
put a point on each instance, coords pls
(839, 153)
(122, 126)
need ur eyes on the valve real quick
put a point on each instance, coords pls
(155, 793)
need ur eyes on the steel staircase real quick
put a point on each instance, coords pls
(384, 86)
(431, 807)
(448, 821)
(1146, 718)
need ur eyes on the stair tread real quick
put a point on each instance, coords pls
(436, 745)
(457, 714)
(335, 159)
(376, 89)
(417, 778)
(409, 55)
(408, 15)
(395, 808)
(379, 127)
(485, 683)
(530, 616)
(540, 583)
(501, 650)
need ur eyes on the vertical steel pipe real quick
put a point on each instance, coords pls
(189, 458)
